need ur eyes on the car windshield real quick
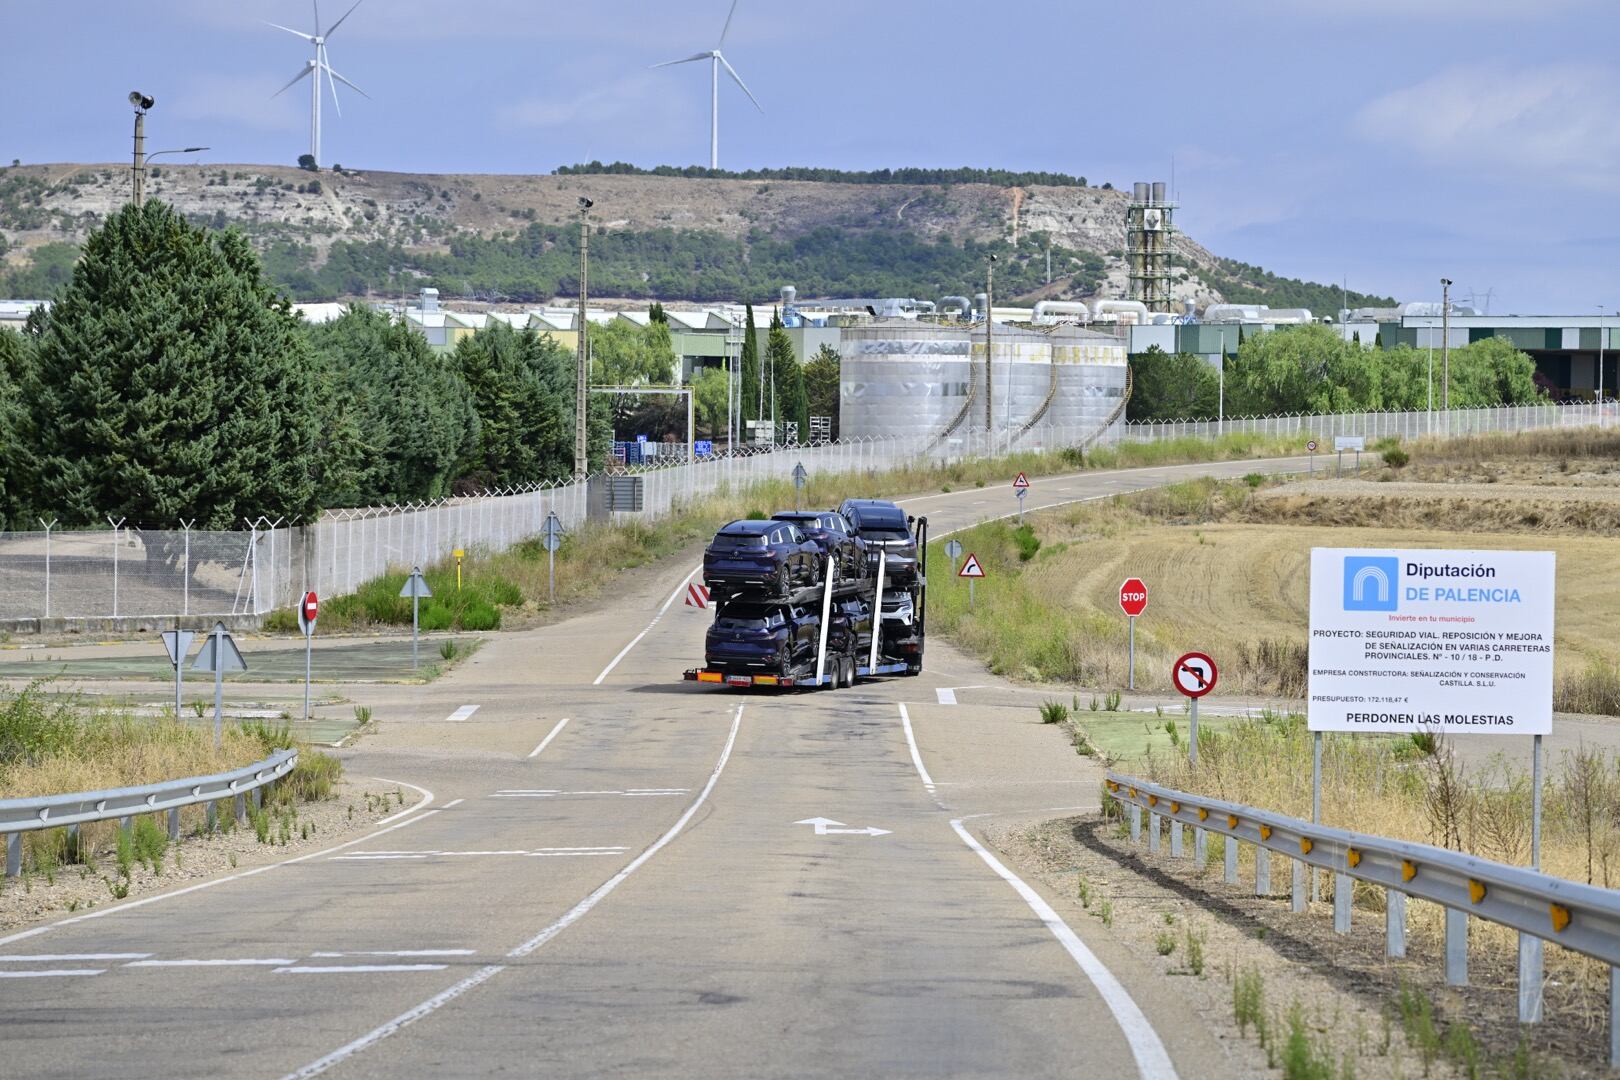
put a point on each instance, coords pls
(748, 618)
(737, 542)
(888, 534)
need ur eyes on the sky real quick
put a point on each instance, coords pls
(1388, 143)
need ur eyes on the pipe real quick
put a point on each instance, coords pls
(789, 295)
(1048, 309)
(963, 306)
(981, 304)
(1117, 308)
(1235, 312)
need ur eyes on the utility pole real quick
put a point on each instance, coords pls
(1445, 350)
(989, 322)
(582, 359)
(142, 102)
(1600, 356)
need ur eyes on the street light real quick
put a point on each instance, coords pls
(1600, 361)
(1220, 414)
(582, 348)
(181, 150)
(1445, 350)
(141, 102)
(989, 353)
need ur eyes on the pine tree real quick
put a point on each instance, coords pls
(526, 430)
(749, 390)
(822, 378)
(14, 365)
(171, 382)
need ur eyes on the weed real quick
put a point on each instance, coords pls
(1164, 943)
(304, 833)
(362, 715)
(1249, 1000)
(448, 650)
(125, 852)
(1417, 1020)
(1083, 889)
(1054, 712)
(199, 708)
(1028, 543)
(1302, 1059)
(119, 889)
(1105, 912)
(1462, 1049)
(73, 905)
(1254, 479)
(1194, 951)
(150, 843)
(1169, 918)
(261, 823)
(231, 858)
(1095, 704)
(1396, 458)
(1111, 704)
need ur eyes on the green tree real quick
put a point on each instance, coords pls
(823, 377)
(1491, 371)
(170, 381)
(623, 354)
(401, 421)
(792, 407)
(1173, 386)
(1306, 369)
(15, 364)
(749, 388)
(522, 389)
(710, 399)
(307, 162)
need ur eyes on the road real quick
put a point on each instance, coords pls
(610, 872)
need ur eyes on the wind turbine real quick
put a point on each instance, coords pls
(716, 62)
(316, 66)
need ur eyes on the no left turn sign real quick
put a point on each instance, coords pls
(1194, 674)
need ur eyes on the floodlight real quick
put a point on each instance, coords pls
(584, 203)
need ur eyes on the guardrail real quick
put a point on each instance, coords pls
(18, 816)
(1580, 917)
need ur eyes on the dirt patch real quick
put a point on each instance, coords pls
(1464, 507)
(1345, 989)
(78, 887)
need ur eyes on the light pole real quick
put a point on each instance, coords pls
(142, 103)
(989, 353)
(582, 358)
(1220, 411)
(1445, 350)
(1600, 361)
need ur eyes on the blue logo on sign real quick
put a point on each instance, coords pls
(1370, 583)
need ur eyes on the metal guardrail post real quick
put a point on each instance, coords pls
(1394, 924)
(13, 854)
(1175, 838)
(1153, 832)
(1614, 1017)
(1134, 813)
(1343, 893)
(1262, 871)
(1456, 947)
(174, 823)
(1200, 848)
(1231, 861)
(241, 810)
(1298, 901)
(1530, 950)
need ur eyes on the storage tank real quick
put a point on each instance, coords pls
(914, 379)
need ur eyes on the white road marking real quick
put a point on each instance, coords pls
(51, 973)
(946, 695)
(916, 755)
(393, 952)
(60, 958)
(132, 904)
(1152, 1060)
(361, 856)
(679, 589)
(824, 827)
(463, 713)
(208, 963)
(577, 912)
(453, 802)
(357, 969)
(545, 742)
(517, 793)
(427, 798)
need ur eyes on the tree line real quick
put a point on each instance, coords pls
(171, 381)
(1311, 369)
(916, 176)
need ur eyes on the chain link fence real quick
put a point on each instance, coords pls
(127, 573)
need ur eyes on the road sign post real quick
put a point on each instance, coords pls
(415, 587)
(1194, 675)
(460, 554)
(177, 643)
(1132, 601)
(973, 572)
(1310, 448)
(953, 551)
(308, 608)
(799, 477)
(551, 537)
(1021, 489)
(219, 654)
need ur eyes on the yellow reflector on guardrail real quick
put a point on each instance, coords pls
(1560, 916)
(1408, 870)
(1476, 890)
(1353, 857)
(1231, 821)
(1305, 845)
(1203, 815)
(1265, 832)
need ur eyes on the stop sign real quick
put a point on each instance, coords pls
(1133, 596)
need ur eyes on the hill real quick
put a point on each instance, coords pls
(511, 238)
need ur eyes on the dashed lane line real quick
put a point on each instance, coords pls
(545, 742)
(357, 969)
(247, 962)
(71, 958)
(577, 912)
(463, 713)
(51, 973)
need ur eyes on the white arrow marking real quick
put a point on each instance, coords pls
(824, 827)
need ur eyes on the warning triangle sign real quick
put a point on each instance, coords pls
(1021, 483)
(971, 567)
(214, 657)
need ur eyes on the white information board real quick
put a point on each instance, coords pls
(1426, 640)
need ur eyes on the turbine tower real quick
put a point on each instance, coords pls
(716, 62)
(317, 66)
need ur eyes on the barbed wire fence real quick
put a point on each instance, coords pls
(121, 573)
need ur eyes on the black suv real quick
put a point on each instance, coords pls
(761, 637)
(849, 629)
(886, 529)
(831, 532)
(774, 556)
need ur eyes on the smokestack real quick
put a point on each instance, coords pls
(1139, 192)
(1158, 192)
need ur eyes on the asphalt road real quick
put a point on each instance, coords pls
(610, 872)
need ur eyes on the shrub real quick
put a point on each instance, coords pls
(1396, 458)
(480, 615)
(1028, 543)
(1054, 712)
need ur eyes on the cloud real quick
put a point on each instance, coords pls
(1553, 124)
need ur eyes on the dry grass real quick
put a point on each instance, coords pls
(1392, 788)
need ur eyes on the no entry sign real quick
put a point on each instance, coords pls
(1194, 674)
(308, 608)
(1133, 597)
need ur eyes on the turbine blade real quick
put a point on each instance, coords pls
(734, 75)
(334, 75)
(317, 4)
(330, 84)
(306, 70)
(687, 60)
(290, 30)
(330, 30)
(727, 28)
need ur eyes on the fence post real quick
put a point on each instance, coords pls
(117, 527)
(185, 569)
(48, 529)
